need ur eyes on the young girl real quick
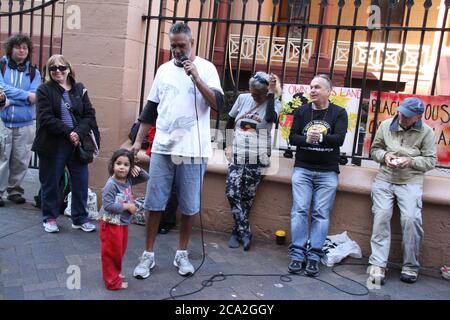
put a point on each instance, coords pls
(118, 206)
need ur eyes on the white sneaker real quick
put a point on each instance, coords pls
(146, 263)
(181, 261)
(50, 226)
(445, 271)
(376, 274)
(86, 227)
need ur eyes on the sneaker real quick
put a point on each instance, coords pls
(234, 241)
(2, 203)
(445, 271)
(146, 263)
(50, 226)
(295, 266)
(376, 274)
(408, 276)
(17, 199)
(86, 227)
(181, 261)
(246, 242)
(312, 268)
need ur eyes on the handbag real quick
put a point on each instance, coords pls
(84, 156)
(88, 148)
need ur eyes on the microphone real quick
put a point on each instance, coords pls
(183, 58)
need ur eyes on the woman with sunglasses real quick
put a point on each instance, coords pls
(64, 116)
(251, 120)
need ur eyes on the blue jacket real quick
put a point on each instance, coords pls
(17, 86)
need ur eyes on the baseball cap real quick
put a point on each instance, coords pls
(411, 107)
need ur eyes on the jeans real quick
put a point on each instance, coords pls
(51, 170)
(314, 189)
(409, 200)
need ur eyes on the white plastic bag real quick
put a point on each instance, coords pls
(338, 247)
(92, 207)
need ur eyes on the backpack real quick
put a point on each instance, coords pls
(31, 69)
(64, 188)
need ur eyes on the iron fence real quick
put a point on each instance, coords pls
(300, 38)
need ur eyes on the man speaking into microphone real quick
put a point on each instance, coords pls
(182, 93)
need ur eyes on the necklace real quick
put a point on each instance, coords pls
(324, 116)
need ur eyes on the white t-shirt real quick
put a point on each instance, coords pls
(176, 125)
(252, 132)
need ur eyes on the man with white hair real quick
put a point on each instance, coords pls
(405, 148)
(318, 130)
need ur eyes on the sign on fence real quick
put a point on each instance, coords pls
(294, 95)
(436, 115)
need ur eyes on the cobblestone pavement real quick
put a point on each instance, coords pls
(34, 265)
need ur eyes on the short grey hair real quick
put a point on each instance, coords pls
(326, 78)
(259, 81)
(181, 27)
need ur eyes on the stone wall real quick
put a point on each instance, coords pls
(107, 53)
(351, 212)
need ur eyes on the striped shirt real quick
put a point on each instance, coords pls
(65, 113)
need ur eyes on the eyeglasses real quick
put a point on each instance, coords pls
(60, 68)
(260, 79)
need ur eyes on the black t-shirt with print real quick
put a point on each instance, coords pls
(332, 122)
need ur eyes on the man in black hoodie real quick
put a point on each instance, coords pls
(318, 131)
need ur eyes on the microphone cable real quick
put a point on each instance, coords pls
(221, 276)
(201, 189)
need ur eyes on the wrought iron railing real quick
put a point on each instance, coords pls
(242, 35)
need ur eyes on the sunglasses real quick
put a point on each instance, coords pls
(60, 68)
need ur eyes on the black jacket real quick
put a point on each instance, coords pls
(49, 126)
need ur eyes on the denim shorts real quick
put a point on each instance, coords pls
(188, 174)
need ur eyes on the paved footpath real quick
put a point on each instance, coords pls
(34, 265)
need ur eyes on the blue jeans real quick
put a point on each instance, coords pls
(51, 170)
(314, 189)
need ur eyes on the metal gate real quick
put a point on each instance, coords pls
(399, 52)
(43, 21)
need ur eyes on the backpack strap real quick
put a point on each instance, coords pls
(32, 72)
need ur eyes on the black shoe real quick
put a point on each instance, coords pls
(312, 268)
(295, 266)
(2, 203)
(246, 242)
(17, 199)
(408, 277)
(234, 241)
(164, 229)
